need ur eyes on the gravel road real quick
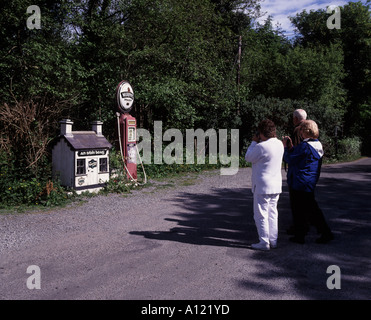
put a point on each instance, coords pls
(188, 238)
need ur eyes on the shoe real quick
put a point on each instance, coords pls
(297, 239)
(273, 244)
(325, 238)
(260, 246)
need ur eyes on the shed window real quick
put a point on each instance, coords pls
(80, 166)
(103, 165)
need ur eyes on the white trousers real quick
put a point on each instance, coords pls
(266, 217)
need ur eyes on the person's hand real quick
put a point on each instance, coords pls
(256, 138)
(287, 143)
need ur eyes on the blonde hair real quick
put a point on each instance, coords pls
(310, 129)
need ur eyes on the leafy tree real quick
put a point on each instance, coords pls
(38, 82)
(176, 55)
(183, 60)
(354, 37)
(35, 61)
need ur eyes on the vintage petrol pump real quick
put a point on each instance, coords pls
(127, 128)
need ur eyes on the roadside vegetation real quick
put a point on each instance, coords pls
(202, 64)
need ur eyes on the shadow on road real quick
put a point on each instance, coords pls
(217, 219)
(224, 218)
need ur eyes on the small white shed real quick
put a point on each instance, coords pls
(81, 158)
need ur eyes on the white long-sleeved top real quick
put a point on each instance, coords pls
(266, 159)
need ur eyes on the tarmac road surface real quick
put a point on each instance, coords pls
(189, 239)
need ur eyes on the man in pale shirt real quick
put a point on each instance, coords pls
(265, 153)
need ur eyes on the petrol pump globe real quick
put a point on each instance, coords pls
(125, 97)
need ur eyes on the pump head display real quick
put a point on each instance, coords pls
(125, 97)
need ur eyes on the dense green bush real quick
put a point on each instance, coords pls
(17, 187)
(344, 149)
(32, 192)
(349, 148)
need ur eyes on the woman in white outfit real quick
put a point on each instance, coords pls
(265, 153)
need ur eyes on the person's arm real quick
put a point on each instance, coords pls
(295, 154)
(253, 152)
(287, 142)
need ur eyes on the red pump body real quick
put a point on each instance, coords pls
(128, 132)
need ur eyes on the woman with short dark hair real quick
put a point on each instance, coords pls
(265, 153)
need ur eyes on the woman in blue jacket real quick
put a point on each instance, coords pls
(305, 162)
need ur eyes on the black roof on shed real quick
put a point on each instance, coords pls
(86, 140)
